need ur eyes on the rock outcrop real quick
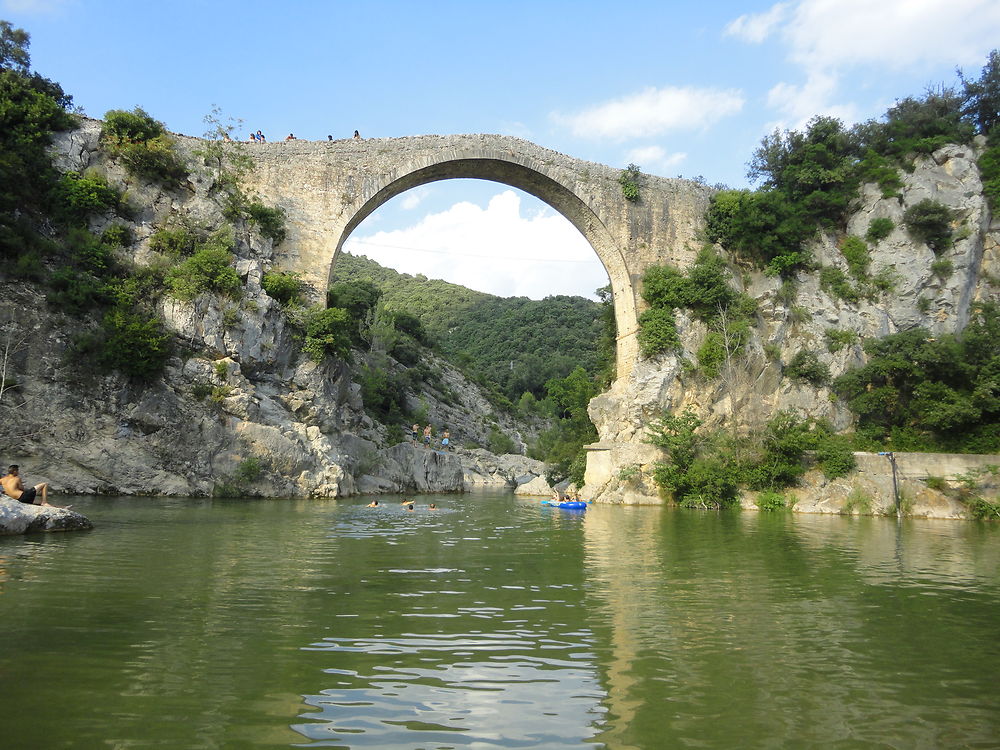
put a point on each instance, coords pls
(920, 296)
(22, 518)
(238, 409)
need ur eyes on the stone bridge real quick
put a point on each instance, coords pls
(328, 188)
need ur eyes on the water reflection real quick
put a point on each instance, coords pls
(792, 630)
(481, 689)
(497, 623)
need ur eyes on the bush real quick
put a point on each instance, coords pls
(835, 455)
(942, 268)
(143, 146)
(134, 343)
(117, 235)
(989, 172)
(837, 339)
(76, 292)
(81, 196)
(658, 332)
(283, 286)
(835, 282)
(930, 222)
(806, 367)
(769, 500)
(711, 354)
(174, 242)
(500, 442)
(879, 229)
(855, 252)
(328, 333)
(270, 221)
(919, 392)
(383, 394)
(629, 180)
(208, 270)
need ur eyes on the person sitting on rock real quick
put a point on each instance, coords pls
(291, 137)
(14, 488)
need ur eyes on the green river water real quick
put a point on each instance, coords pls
(497, 623)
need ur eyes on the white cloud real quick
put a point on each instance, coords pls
(799, 104)
(414, 198)
(829, 37)
(653, 158)
(896, 33)
(494, 249)
(756, 27)
(653, 111)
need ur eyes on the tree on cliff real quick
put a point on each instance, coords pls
(31, 109)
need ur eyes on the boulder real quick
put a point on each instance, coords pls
(21, 518)
(537, 486)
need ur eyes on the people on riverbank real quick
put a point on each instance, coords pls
(415, 433)
(428, 431)
(446, 441)
(14, 488)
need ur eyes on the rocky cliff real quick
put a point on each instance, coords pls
(238, 408)
(920, 297)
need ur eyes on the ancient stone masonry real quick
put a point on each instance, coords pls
(328, 188)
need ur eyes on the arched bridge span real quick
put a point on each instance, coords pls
(328, 188)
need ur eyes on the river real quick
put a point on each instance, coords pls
(496, 623)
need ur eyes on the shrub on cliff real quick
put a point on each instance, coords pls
(143, 146)
(923, 392)
(327, 332)
(930, 222)
(283, 286)
(209, 269)
(33, 108)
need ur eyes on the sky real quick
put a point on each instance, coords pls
(678, 88)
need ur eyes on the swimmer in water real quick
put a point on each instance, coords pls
(373, 504)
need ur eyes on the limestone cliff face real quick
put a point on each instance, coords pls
(919, 298)
(237, 389)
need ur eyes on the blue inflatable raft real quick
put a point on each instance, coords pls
(573, 505)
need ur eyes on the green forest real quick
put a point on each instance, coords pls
(515, 344)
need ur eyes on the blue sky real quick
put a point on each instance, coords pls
(678, 88)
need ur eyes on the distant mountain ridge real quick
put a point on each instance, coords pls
(514, 342)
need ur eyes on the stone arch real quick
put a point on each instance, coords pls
(509, 170)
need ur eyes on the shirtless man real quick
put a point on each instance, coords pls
(13, 486)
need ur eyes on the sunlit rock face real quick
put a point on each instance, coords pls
(755, 390)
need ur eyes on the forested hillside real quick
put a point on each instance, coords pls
(515, 343)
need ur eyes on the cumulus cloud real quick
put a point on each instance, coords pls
(828, 37)
(654, 158)
(654, 111)
(414, 198)
(799, 104)
(496, 249)
(756, 27)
